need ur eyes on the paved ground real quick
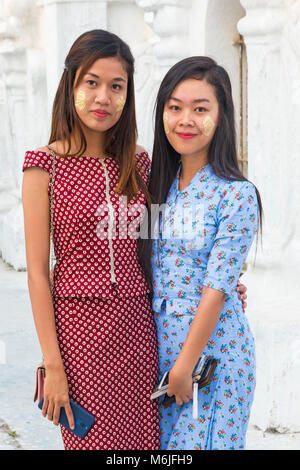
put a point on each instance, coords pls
(21, 423)
(18, 414)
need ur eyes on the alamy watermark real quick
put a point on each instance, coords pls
(132, 221)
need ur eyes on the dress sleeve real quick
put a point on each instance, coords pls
(36, 158)
(237, 226)
(143, 165)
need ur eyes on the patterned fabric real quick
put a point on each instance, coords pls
(109, 353)
(106, 331)
(206, 233)
(83, 266)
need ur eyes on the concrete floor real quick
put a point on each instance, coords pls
(21, 423)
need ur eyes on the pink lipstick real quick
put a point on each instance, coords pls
(186, 136)
(101, 113)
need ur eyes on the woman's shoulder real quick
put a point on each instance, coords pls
(43, 149)
(239, 187)
(141, 151)
(143, 163)
(39, 151)
(39, 157)
(237, 195)
(232, 186)
(142, 158)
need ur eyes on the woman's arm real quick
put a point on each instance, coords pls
(201, 329)
(36, 226)
(237, 225)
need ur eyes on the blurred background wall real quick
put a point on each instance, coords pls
(258, 42)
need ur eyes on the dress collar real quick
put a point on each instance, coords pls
(203, 171)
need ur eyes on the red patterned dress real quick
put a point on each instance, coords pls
(104, 322)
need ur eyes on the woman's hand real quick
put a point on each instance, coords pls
(180, 385)
(241, 289)
(56, 395)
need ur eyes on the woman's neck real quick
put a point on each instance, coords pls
(189, 166)
(95, 143)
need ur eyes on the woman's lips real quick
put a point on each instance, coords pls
(186, 136)
(101, 114)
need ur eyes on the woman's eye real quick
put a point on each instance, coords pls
(117, 87)
(91, 82)
(200, 109)
(174, 107)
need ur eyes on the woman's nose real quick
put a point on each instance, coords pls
(186, 119)
(102, 96)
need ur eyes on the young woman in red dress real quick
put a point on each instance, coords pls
(97, 335)
(96, 330)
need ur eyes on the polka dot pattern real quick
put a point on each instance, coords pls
(110, 357)
(83, 258)
(106, 331)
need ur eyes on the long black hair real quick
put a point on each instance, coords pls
(222, 153)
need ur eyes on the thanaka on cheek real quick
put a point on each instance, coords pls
(208, 126)
(120, 103)
(80, 100)
(166, 122)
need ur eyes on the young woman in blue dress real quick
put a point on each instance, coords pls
(210, 216)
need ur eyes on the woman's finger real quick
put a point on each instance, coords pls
(179, 401)
(56, 414)
(241, 288)
(45, 407)
(50, 411)
(70, 415)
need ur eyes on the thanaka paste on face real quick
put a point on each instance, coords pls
(121, 103)
(208, 126)
(166, 122)
(80, 100)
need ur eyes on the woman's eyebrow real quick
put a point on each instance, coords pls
(200, 100)
(117, 79)
(92, 74)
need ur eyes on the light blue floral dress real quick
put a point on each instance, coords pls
(206, 233)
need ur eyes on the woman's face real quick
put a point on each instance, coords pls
(100, 97)
(191, 117)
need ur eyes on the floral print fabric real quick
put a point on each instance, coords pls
(84, 260)
(206, 232)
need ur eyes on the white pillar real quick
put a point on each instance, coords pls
(262, 30)
(273, 159)
(14, 130)
(63, 22)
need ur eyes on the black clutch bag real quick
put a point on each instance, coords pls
(202, 377)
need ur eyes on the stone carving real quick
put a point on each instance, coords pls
(15, 14)
(171, 26)
(146, 86)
